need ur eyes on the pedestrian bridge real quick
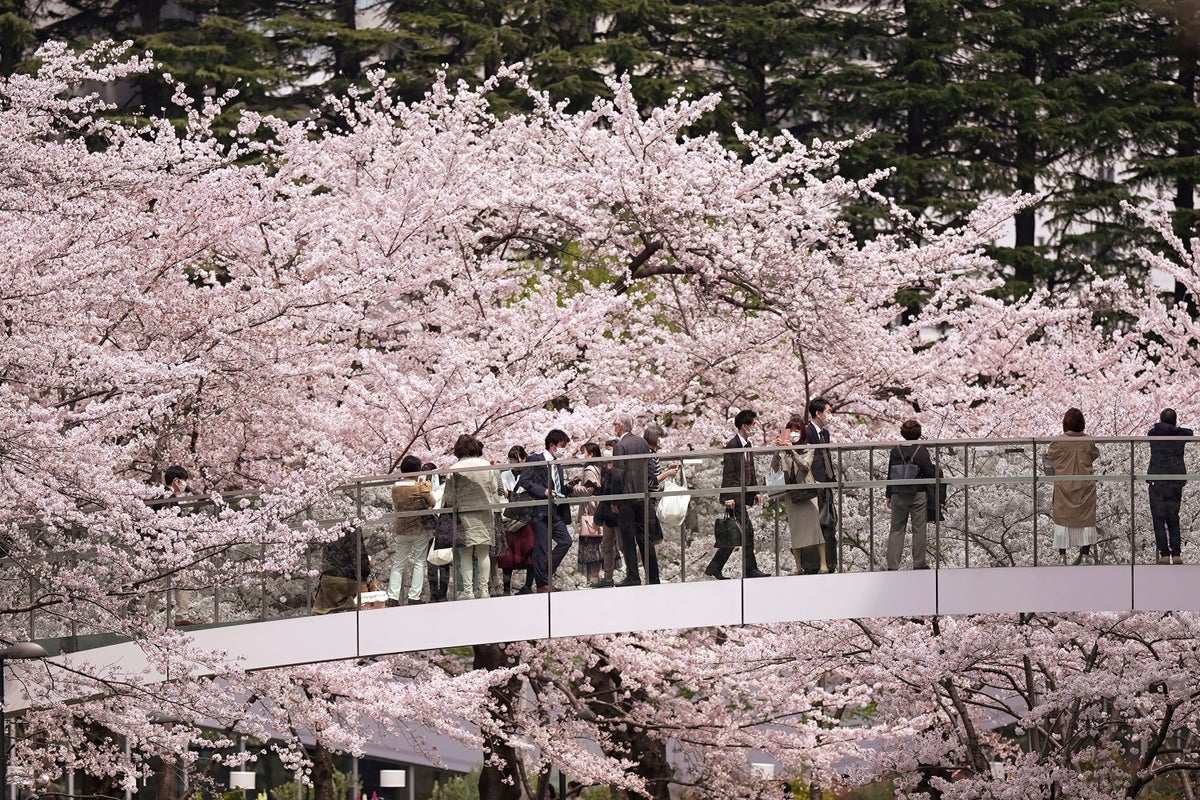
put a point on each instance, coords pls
(992, 550)
(805, 598)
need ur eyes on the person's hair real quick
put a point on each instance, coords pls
(1073, 420)
(557, 437)
(910, 429)
(652, 434)
(1168, 416)
(517, 452)
(744, 417)
(610, 443)
(410, 464)
(467, 446)
(817, 405)
(795, 423)
(174, 473)
(625, 421)
(592, 449)
(428, 466)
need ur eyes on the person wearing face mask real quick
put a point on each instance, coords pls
(800, 504)
(817, 432)
(737, 473)
(546, 483)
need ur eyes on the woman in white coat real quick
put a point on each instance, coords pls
(471, 496)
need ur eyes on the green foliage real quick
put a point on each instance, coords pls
(462, 787)
(287, 791)
(966, 99)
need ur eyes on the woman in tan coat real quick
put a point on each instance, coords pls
(1074, 509)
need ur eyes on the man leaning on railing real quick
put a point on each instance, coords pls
(1166, 458)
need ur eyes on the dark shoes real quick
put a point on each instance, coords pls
(415, 603)
(184, 623)
(526, 589)
(630, 582)
(758, 573)
(603, 583)
(714, 574)
(391, 603)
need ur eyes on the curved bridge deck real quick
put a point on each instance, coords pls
(377, 632)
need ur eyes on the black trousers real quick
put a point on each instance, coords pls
(546, 563)
(1165, 499)
(631, 521)
(749, 560)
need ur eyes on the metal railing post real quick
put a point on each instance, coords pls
(837, 527)
(1132, 516)
(309, 591)
(966, 508)
(1034, 470)
(745, 512)
(935, 508)
(358, 506)
(646, 518)
(871, 510)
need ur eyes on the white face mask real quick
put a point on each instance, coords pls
(796, 437)
(607, 453)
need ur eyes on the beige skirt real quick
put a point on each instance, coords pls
(804, 523)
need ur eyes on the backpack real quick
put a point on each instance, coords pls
(906, 470)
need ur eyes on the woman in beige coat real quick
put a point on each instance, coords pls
(795, 463)
(471, 496)
(1074, 509)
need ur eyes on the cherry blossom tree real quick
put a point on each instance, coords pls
(297, 306)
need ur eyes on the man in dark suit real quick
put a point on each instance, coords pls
(822, 471)
(737, 472)
(630, 476)
(542, 478)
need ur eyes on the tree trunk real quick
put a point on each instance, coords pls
(322, 773)
(495, 782)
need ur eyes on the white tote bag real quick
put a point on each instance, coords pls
(672, 508)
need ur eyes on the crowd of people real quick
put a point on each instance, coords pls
(489, 526)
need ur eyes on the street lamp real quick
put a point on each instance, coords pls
(21, 651)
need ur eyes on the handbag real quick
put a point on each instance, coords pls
(522, 514)
(441, 556)
(443, 532)
(802, 475)
(728, 530)
(605, 516)
(828, 515)
(672, 508)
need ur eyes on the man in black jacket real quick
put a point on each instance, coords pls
(1166, 458)
(819, 414)
(737, 473)
(544, 480)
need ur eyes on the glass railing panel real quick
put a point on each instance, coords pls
(1116, 503)
(989, 516)
(997, 512)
